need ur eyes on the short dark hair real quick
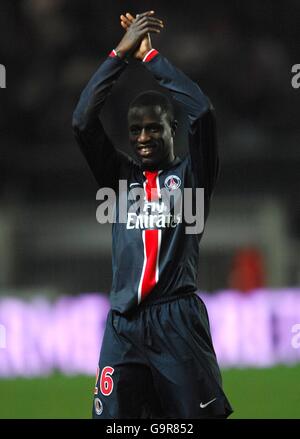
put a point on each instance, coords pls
(151, 98)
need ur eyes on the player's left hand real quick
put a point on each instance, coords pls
(146, 45)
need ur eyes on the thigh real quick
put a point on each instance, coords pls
(184, 364)
(124, 386)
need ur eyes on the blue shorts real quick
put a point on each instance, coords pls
(160, 363)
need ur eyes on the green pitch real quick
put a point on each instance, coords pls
(253, 393)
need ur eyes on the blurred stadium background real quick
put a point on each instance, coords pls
(55, 258)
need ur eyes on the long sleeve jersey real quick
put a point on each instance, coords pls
(153, 256)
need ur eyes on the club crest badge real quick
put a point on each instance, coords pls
(98, 406)
(172, 182)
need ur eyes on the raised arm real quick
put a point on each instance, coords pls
(103, 159)
(200, 112)
(203, 153)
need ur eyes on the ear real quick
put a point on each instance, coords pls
(174, 125)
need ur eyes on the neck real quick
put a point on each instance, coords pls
(161, 165)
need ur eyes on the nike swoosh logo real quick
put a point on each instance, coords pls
(202, 406)
(134, 184)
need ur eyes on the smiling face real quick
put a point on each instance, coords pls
(151, 135)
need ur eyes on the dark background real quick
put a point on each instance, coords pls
(240, 53)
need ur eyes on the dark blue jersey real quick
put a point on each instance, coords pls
(154, 257)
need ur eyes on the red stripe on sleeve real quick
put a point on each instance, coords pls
(112, 54)
(150, 55)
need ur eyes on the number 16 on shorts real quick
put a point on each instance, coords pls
(106, 382)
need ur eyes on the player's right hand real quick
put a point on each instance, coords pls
(145, 44)
(136, 30)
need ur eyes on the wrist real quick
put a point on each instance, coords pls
(117, 55)
(121, 53)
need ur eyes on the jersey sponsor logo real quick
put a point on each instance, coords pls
(155, 215)
(98, 406)
(154, 212)
(203, 405)
(172, 182)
